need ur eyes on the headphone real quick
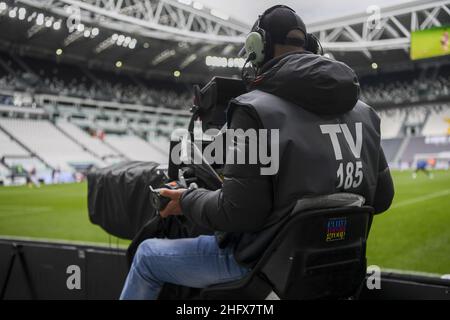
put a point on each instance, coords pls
(258, 43)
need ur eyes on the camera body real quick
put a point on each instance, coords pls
(116, 200)
(209, 109)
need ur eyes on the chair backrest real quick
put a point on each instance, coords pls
(318, 254)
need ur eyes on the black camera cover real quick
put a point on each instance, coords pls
(119, 196)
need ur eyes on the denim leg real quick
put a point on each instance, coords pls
(192, 262)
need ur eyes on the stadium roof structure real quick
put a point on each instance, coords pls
(167, 38)
(160, 19)
(156, 37)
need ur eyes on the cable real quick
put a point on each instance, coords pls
(244, 75)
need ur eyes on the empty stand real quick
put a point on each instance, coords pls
(415, 116)
(10, 148)
(438, 122)
(4, 171)
(391, 147)
(391, 123)
(44, 139)
(136, 148)
(13, 154)
(93, 144)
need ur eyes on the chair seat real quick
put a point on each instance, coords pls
(318, 254)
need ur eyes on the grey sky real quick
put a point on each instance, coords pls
(310, 10)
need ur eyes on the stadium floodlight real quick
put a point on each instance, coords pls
(186, 2)
(59, 52)
(95, 32)
(374, 66)
(216, 61)
(87, 33)
(219, 14)
(57, 25)
(198, 5)
(176, 73)
(22, 13)
(80, 27)
(48, 21)
(239, 62)
(31, 16)
(119, 64)
(40, 19)
(13, 13)
(132, 44)
(223, 62)
(164, 55)
(188, 60)
(120, 40)
(105, 44)
(117, 39)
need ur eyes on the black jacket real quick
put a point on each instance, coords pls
(310, 89)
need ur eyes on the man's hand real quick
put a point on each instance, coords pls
(173, 207)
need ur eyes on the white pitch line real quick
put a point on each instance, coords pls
(28, 211)
(422, 198)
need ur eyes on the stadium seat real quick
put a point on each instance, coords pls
(319, 253)
(391, 123)
(44, 139)
(94, 145)
(438, 122)
(136, 148)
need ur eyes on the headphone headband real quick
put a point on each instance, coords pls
(259, 45)
(269, 10)
(276, 7)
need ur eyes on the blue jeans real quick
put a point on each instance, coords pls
(191, 262)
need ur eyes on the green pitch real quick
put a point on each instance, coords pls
(413, 235)
(52, 211)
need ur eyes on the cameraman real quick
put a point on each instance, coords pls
(324, 131)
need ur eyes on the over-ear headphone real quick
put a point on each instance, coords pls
(258, 43)
(313, 44)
